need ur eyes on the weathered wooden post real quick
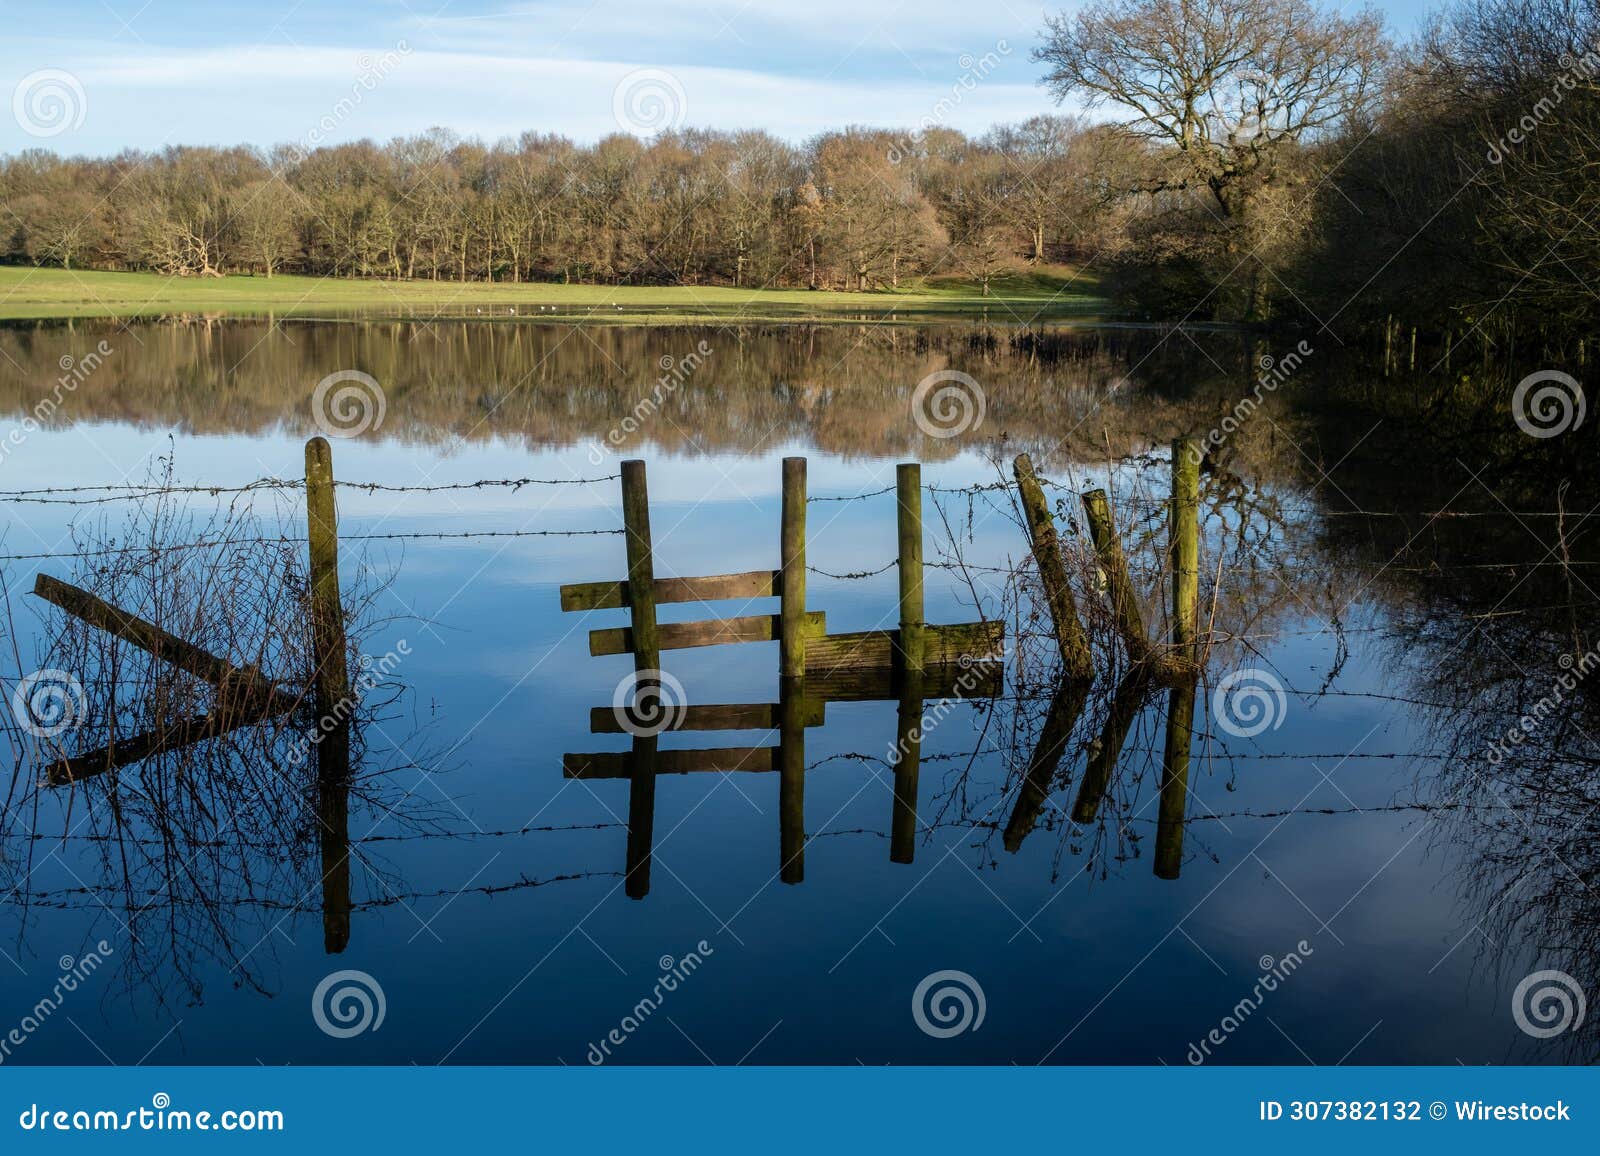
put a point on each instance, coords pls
(1074, 644)
(792, 780)
(1174, 781)
(1124, 602)
(641, 567)
(1184, 539)
(332, 686)
(907, 765)
(792, 545)
(908, 499)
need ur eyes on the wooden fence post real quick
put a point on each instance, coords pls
(1184, 539)
(641, 567)
(908, 496)
(327, 609)
(1074, 644)
(792, 545)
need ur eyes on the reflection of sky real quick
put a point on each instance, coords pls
(189, 72)
(1121, 969)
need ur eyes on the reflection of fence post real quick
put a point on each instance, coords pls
(327, 610)
(792, 546)
(1174, 781)
(641, 817)
(907, 765)
(792, 781)
(1070, 698)
(641, 567)
(908, 495)
(1075, 654)
(333, 814)
(1184, 538)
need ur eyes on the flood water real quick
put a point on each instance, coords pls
(1401, 590)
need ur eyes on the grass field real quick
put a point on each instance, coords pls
(27, 292)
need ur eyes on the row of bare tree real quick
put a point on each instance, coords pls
(851, 209)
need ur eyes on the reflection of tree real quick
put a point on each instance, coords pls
(845, 388)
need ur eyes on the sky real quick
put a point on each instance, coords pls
(99, 76)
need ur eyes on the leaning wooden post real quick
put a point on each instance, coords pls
(1124, 603)
(908, 496)
(1074, 644)
(641, 567)
(1184, 539)
(792, 547)
(327, 610)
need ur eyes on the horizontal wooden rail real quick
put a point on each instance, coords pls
(619, 765)
(753, 716)
(868, 684)
(712, 632)
(873, 649)
(614, 595)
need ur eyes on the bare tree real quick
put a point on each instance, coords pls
(1222, 84)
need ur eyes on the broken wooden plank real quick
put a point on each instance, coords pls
(711, 632)
(168, 647)
(875, 649)
(753, 716)
(711, 588)
(619, 765)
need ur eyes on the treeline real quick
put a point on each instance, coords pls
(856, 209)
(1259, 160)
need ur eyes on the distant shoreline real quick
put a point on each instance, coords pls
(36, 293)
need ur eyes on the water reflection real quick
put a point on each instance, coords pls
(1391, 594)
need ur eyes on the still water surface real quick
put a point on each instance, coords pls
(1362, 828)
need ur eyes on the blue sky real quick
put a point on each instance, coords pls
(96, 76)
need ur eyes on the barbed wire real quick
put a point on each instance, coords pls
(134, 491)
